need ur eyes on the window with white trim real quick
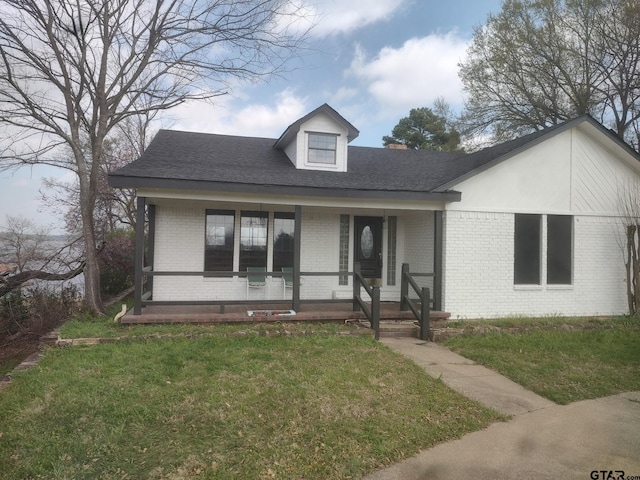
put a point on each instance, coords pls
(529, 254)
(559, 249)
(526, 249)
(322, 148)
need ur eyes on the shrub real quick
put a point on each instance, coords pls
(117, 263)
(36, 310)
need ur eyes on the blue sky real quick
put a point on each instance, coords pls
(373, 61)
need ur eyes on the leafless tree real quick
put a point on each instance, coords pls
(71, 71)
(115, 208)
(29, 249)
(629, 208)
(539, 63)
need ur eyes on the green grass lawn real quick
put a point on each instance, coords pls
(562, 365)
(312, 407)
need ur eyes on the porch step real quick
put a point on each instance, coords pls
(399, 329)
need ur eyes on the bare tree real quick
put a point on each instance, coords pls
(629, 208)
(22, 243)
(115, 208)
(71, 71)
(541, 62)
(28, 248)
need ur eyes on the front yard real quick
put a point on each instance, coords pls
(273, 400)
(316, 406)
(564, 360)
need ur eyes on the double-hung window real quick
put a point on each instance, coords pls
(322, 148)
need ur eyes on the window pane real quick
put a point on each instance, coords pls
(283, 241)
(218, 254)
(527, 249)
(327, 142)
(253, 240)
(559, 248)
(322, 156)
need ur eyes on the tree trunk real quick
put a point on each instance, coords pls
(632, 266)
(627, 265)
(92, 297)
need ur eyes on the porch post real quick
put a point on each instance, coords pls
(425, 301)
(137, 286)
(356, 286)
(297, 240)
(437, 260)
(404, 288)
(151, 243)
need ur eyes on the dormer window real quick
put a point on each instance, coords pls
(322, 148)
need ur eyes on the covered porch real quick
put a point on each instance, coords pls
(337, 263)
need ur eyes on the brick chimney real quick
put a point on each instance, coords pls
(396, 146)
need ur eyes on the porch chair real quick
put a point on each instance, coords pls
(287, 280)
(256, 278)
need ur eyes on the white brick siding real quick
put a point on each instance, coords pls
(180, 234)
(320, 246)
(478, 269)
(418, 247)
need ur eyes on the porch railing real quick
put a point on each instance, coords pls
(373, 313)
(143, 298)
(422, 311)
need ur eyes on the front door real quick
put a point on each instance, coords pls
(368, 245)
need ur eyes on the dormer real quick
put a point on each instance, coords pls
(318, 141)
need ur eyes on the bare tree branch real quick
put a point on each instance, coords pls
(71, 72)
(539, 63)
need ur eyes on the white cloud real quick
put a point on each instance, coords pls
(343, 94)
(225, 116)
(413, 75)
(337, 16)
(19, 196)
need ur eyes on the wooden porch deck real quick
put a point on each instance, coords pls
(309, 312)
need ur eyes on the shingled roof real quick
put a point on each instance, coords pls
(199, 161)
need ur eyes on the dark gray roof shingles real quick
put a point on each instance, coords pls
(222, 159)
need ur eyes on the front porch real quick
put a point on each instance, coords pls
(238, 313)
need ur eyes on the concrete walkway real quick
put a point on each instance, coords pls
(542, 440)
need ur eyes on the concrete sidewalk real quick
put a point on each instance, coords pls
(543, 440)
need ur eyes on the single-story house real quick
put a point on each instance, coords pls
(528, 227)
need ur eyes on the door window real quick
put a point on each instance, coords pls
(366, 242)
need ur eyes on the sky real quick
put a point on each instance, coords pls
(372, 61)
